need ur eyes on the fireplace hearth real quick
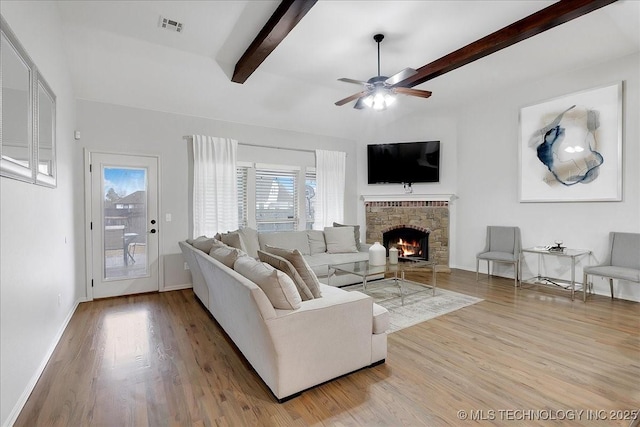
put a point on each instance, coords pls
(412, 243)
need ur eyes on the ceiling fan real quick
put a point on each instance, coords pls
(379, 92)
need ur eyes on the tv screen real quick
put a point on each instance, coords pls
(404, 162)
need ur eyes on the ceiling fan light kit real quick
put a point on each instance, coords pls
(380, 91)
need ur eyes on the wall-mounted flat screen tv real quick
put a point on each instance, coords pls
(404, 162)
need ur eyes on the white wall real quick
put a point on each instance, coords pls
(488, 176)
(119, 129)
(41, 246)
(419, 126)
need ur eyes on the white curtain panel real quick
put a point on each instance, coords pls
(330, 178)
(215, 192)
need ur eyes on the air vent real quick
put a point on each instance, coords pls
(170, 24)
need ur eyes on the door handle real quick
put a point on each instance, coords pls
(152, 231)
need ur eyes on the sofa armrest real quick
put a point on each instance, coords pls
(324, 339)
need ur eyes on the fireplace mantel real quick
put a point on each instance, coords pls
(408, 197)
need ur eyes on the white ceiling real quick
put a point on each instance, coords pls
(118, 54)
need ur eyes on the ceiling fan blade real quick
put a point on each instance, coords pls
(402, 75)
(358, 82)
(412, 92)
(351, 98)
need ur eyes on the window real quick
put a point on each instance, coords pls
(310, 197)
(276, 199)
(241, 176)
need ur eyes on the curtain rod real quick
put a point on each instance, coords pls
(187, 137)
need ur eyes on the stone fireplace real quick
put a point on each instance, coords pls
(416, 218)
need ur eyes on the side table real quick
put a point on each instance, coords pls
(573, 254)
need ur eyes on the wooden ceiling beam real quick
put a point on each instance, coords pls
(283, 20)
(543, 20)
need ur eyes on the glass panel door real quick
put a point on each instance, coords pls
(125, 222)
(124, 229)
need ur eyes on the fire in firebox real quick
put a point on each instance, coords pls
(411, 243)
(408, 248)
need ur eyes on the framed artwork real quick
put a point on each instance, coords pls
(571, 147)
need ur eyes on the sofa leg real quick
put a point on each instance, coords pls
(379, 362)
(611, 287)
(285, 399)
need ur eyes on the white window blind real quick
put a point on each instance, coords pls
(276, 199)
(310, 196)
(241, 177)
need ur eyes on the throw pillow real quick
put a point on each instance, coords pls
(225, 255)
(203, 243)
(300, 264)
(276, 285)
(287, 268)
(340, 240)
(317, 245)
(356, 233)
(250, 239)
(234, 239)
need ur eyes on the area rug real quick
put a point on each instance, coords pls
(419, 304)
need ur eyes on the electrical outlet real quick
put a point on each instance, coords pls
(186, 266)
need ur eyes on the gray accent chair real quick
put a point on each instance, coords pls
(622, 262)
(503, 245)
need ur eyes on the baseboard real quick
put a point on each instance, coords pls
(176, 287)
(15, 412)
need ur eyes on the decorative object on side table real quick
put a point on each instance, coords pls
(393, 255)
(377, 254)
(558, 247)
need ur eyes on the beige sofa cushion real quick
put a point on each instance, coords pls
(317, 245)
(381, 319)
(225, 254)
(301, 266)
(276, 285)
(340, 240)
(356, 232)
(286, 267)
(250, 240)
(233, 239)
(203, 243)
(286, 240)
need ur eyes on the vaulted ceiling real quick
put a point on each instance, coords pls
(119, 54)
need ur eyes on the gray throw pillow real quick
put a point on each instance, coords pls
(301, 266)
(286, 267)
(356, 232)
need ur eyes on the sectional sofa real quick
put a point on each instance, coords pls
(293, 342)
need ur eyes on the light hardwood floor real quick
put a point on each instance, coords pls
(160, 360)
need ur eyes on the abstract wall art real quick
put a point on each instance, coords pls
(571, 147)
